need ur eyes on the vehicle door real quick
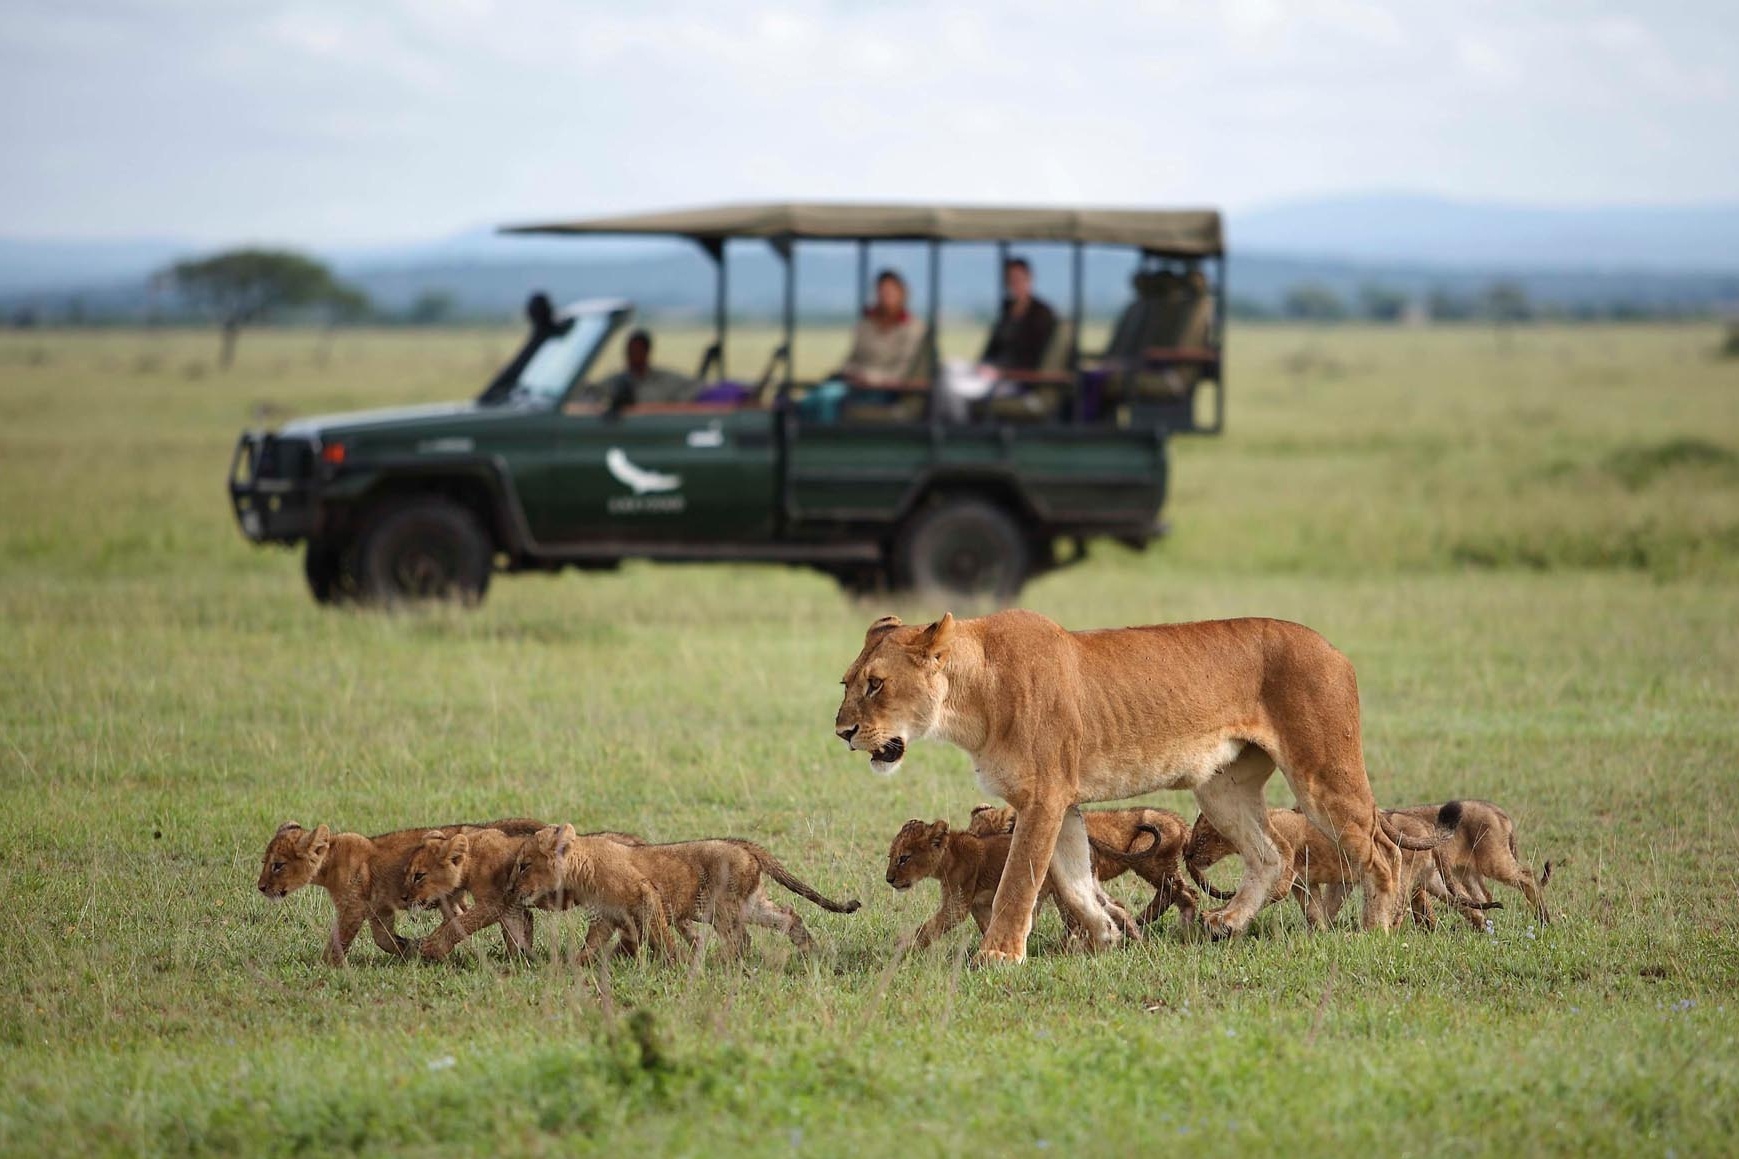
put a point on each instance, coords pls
(669, 475)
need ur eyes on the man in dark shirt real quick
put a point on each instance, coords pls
(1023, 327)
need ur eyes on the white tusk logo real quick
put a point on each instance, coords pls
(637, 479)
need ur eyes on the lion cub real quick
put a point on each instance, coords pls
(968, 867)
(645, 891)
(481, 862)
(1320, 877)
(364, 876)
(1484, 846)
(1156, 836)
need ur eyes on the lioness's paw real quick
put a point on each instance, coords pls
(1218, 926)
(993, 957)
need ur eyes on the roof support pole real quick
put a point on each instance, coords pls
(1078, 312)
(782, 246)
(714, 248)
(999, 283)
(934, 329)
(862, 273)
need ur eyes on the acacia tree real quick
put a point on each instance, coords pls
(242, 287)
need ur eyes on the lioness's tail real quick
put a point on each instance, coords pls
(1448, 818)
(771, 867)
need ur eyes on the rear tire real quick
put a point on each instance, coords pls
(424, 548)
(963, 549)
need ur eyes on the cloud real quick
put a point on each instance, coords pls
(330, 121)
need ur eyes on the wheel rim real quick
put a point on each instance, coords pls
(969, 560)
(425, 567)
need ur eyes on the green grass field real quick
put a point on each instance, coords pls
(1527, 543)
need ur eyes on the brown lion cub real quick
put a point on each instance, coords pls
(1158, 836)
(969, 868)
(1484, 846)
(644, 891)
(1319, 877)
(364, 876)
(481, 862)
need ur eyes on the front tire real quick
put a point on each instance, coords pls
(963, 549)
(426, 548)
(330, 572)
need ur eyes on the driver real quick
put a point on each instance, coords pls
(640, 381)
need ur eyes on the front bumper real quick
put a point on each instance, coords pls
(271, 487)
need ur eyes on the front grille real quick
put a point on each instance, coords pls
(279, 458)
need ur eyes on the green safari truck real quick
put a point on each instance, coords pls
(966, 488)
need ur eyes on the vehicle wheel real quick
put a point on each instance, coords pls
(426, 548)
(966, 549)
(323, 567)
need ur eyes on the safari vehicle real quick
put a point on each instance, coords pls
(545, 470)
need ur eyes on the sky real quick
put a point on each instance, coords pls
(380, 121)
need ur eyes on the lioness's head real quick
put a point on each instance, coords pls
(916, 850)
(293, 856)
(991, 820)
(537, 875)
(894, 689)
(436, 869)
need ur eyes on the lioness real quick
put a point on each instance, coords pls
(1157, 835)
(968, 866)
(482, 863)
(647, 890)
(1054, 718)
(364, 876)
(1484, 846)
(1319, 877)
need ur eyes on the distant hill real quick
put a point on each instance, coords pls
(1683, 259)
(1392, 229)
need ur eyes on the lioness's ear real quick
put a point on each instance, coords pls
(564, 837)
(319, 841)
(934, 640)
(881, 628)
(458, 847)
(286, 827)
(938, 831)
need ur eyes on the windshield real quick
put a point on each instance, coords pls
(558, 359)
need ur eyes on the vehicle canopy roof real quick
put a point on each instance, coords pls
(1179, 233)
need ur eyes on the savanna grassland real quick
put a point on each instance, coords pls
(1528, 543)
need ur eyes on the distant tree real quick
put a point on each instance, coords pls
(1445, 305)
(1313, 302)
(242, 287)
(1505, 302)
(1249, 309)
(432, 308)
(1382, 303)
(1731, 349)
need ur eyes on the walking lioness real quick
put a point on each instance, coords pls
(1054, 718)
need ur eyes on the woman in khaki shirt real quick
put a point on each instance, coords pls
(885, 344)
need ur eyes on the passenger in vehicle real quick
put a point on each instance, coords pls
(1022, 332)
(885, 344)
(642, 382)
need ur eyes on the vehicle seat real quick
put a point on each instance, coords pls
(1169, 312)
(1041, 402)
